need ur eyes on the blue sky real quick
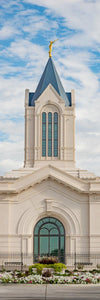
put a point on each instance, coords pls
(26, 27)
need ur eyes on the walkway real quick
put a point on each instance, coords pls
(49, 292)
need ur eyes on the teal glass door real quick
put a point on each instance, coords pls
(54, 246)
(44, 245)
(49, 239)
(49, 246)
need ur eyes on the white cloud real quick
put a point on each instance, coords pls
(14, 130)
(11, 97)
(7, 165)
(12, 155)
(88, 151)
(24, 49)
(9, 4)
(24, 22)
(27, 57)
(79, 15)
(87, 103)
(6, 32)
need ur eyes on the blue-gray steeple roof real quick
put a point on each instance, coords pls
(50, 76)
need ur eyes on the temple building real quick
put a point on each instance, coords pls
(50, 207)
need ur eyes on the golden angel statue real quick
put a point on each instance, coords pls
(50, 47)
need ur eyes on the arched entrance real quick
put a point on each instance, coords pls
(49, 239)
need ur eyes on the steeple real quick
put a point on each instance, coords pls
(50, 76)
(49, 122)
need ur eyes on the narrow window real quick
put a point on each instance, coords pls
(55, 134)
(49, 134)
(44, 134)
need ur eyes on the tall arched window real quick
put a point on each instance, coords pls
(44, 134)
(49, 239)
(49, 134)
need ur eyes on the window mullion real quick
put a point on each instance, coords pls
(55, 134)
(43, 134)
(49, 134)
(46, 134)
(58, 134)
(52, 135)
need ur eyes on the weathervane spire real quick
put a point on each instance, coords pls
(50, 46)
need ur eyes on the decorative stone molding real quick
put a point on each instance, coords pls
(94, 198)
(48, 203)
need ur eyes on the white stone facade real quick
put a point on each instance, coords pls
(50, 186)
(49, 101)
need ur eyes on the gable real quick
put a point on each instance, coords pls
(49, 96)
(48, 172)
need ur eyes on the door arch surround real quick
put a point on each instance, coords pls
(49, 239)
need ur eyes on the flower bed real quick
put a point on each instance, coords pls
(69, 278)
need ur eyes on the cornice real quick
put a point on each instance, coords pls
(53, 173)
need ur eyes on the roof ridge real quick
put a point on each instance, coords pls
(57, 75)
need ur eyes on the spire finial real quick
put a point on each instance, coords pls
(50, 46)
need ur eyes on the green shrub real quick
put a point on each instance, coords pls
(98, 266)
(80, 266)
(58, 267)
(30, 268)
(68, 273)
(39, 268)
(6, 280)
(20, 274)
(26, 273)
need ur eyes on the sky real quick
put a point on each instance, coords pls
(26, 27)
